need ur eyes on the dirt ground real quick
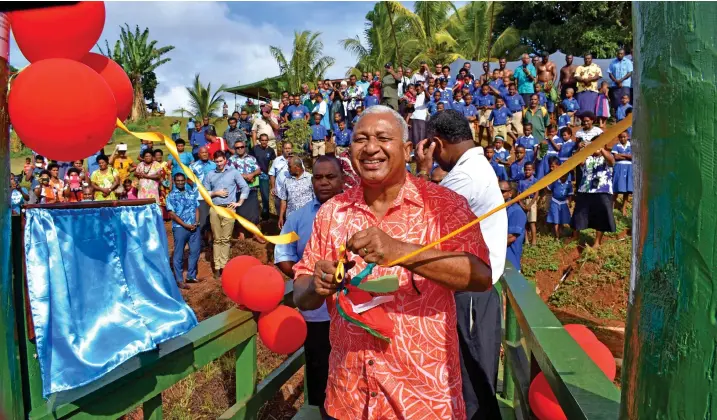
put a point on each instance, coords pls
(210, 392)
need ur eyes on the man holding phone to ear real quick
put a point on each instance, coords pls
(390, 87)
(267, 124)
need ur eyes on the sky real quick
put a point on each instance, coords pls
(228, 42)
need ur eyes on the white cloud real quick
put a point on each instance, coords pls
(222, 45)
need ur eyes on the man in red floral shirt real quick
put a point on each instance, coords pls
(417, 374)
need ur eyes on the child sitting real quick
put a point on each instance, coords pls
(559, 208)
(497, 168)
(622, 175)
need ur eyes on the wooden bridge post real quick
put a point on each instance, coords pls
(670, 369)
(11, 402)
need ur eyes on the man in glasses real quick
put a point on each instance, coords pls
(248, 167)
(364, 83)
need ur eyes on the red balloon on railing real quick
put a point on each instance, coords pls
(62, 109)
(262, 288)
(542, 400)
(233, 273)
(116, 79)
(58, 32)
(282, 330)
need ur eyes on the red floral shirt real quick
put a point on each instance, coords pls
(418, 374)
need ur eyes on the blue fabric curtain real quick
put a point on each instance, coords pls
(101, 290)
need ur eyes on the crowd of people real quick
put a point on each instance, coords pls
(400, 158)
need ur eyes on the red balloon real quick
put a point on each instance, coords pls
(58, 32)
(234, 272)
(261, 288)
(282, 330)
(579, 332)
(62, 109)
(542, 401)
(597, 351)
(117, 80)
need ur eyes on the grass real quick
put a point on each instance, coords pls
(161, 124)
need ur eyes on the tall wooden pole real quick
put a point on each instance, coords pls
(670, 369)
(11, 404)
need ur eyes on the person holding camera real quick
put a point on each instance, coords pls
(267, 124)
(390, 87)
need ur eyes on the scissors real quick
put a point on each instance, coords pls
(343, 258)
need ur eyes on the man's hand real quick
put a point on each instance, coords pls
(424, 157)
(375, 246)
(323, 283)
(235, 205)
(273, 191)
(221, 193)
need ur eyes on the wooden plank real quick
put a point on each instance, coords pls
(247, 408)
(245, 369)
(507, 412)
(157, 371)
(520, 371)
(583, 391)
(11, 381)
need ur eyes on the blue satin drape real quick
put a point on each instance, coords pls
(101, 290)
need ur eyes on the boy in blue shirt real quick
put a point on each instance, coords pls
(502, 155)
(371, 99)
(485, 103)
(498, 119)
(516, 168)
(530, 203)
(471, 114)
(319, 136)
(499, 170)
(623, 107)
(342, 138)
(185, 157)
(516, 225)
(571, 105)
(446, 92)
(568, 147)
(515, 103)
(458, 104)
(359, 111)
(563, 117)
(528, 141)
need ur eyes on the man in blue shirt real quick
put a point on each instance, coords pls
(297, 110)
(327, 182)
(201, 167)
(222, 185)
(525, 77)
(620, 72)
(197, 138)
(516, 226)
(185, 157)
(515, 103)
(183, 209)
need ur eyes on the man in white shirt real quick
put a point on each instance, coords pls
(419, 116)
(421, 74)
(278, 172)
(470, 175)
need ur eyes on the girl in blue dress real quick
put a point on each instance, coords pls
(554, 144)
(559, 209)
(622, 178)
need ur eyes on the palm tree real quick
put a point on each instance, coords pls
(139, 56)
(307, 64)
(379, 47)
(472, 27)
(429, 40)
(202, 102)
(181, 111)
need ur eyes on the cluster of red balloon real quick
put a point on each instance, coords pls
(541, 398)
(65, 104)
(260, 288)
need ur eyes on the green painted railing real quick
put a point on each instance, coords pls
(141, 380)
(536, 341)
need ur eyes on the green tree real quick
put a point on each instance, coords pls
(377, 48)
(474, 26)
(599, 27)
(139, 56)
(307, 63)
(426, 37)
(149, 86)
(181, 111)
(202, 101)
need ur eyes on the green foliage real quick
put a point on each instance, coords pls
(149, 86)
(298, 133)
(202, 102)
(307, 62)
(598, 27)
(139, 57)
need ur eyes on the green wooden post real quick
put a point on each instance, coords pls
(152, 408)
(10, 373)
(511, 337)
(670, 369)
(246, 368)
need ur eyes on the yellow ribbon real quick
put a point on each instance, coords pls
(172, 147)
(553, 176)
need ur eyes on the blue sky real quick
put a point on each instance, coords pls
(228, 42)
